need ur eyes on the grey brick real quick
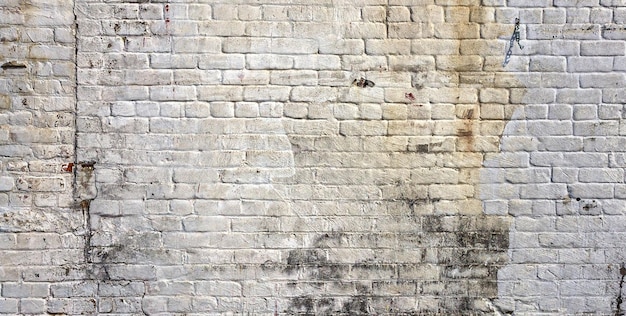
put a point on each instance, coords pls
(564, 175)
(535, 256)
(594, 175)
(533, 3)
(606, 144)
(591, 190)
(617, 159)
(32, 306)
(206, 223)
(25, 290)
(560, 143)
(559, 80)
(596, 128)
(543, 191)
(609, 111)
(8, 305)
(600, 15)
(578, 96)
(569, 159)
(560, 111)
(577, 15)
(540, 31)
(561, 240)
(565, 48)
(533, 96)
(520, 208)
(549, 128)
(571, 3)
(581, 31)
(554, 15)
(535, 175)
(602, 80)
(585, 112)
(589, 64)
(573, 288)
(6, 184)
(615, 95)
(548, 64)
(600, 48)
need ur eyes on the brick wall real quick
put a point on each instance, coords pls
(289, 157)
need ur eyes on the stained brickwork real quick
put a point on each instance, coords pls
(287, 157)
(41, 234)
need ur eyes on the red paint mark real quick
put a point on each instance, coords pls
(69, 167)
(409, 96)
(167, 18)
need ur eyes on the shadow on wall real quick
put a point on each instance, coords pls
(560, 178)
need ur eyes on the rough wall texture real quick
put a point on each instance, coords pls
(41, 234)
(290, 157)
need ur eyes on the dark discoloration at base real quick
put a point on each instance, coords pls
(461, 272)
(428, 253)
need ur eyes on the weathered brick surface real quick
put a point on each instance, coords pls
(289, 157)
(302, 164)
(42, 234)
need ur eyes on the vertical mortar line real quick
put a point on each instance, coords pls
(386, 23)
(84, 205)
(87, 231)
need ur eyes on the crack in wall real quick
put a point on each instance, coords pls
(619, 299)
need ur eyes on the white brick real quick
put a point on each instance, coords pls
(268, 61)
(246, 109)
(255, 77)
(324, 62)
(6, 184)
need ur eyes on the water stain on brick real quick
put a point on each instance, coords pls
(470, 246)
(430, 242)
(86, 174)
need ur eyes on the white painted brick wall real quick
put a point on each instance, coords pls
(289, 157)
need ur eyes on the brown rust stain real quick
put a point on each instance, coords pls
(68, 167)
(469, 134)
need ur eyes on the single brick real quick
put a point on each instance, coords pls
(602, 48)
